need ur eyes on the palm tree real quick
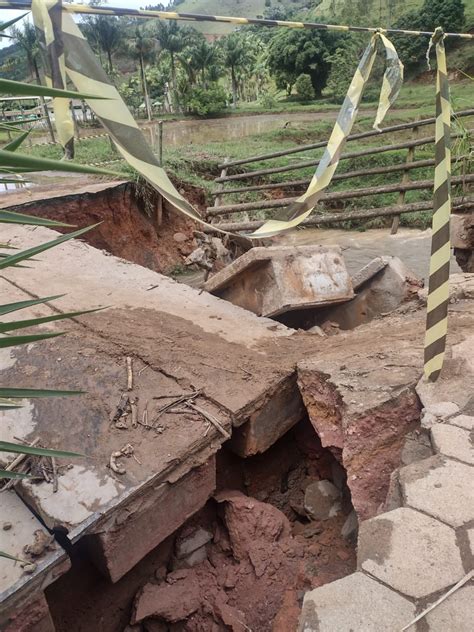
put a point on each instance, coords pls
(205, 58)
(26, 38)
(172, 39)
(236, 56)
(141, 47)
(104, 34)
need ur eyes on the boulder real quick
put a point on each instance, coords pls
(322, 500)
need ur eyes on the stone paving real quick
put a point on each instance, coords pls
(412, 555)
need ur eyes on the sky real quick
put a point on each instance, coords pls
(7, 14)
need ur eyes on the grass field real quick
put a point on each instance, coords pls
(197, 163)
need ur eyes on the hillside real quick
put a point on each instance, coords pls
(379, 13)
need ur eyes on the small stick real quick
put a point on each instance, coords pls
(220, 368)
(210, 418)
(55, 474)
(129, 374)
(144, 368)
(460, 583)
(134, 407)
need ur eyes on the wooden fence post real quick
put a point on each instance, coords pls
(405, 179)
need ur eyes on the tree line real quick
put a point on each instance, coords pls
(164, 66)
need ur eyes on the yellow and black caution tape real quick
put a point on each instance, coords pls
(393, 78)
(438, 288)
(238, 21)
(88, 76)
(47, 18)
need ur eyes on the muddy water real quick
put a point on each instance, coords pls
(411, 246)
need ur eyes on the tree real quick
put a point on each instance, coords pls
(344, 62)
(26, 38)
(105, 34)
(236, 55)
(449, 14)
(292, 53)
(173, 39)
(142, 47)
(304, 88)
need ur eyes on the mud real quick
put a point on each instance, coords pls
(128, 222)
(263, 555)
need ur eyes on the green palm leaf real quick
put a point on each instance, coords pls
(31, 252)
(13, 160)
(18, 88)
(6, 446)
(7, 308)
(13, 341)
(9, 217)
(31, 322)
(16, 142)
(22, 393)
(6, 25)
(8, 474)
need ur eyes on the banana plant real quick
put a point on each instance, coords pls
(13, 163)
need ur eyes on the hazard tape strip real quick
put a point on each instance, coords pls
(47, 20)
(297, 212)
(88, 76)
(438, 287)
(238, 21)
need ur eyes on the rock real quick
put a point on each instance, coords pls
(249, 520)
(322, 500)
(416, 448)
(180, 237)
(438, 412)
(414, 554)
(454, 442)
(393, 285)
(194, 558)
(354, 604)
(351, 527)
(317, 330)
(153, 625)
(169, 601)
(191, 541)
(440, 487)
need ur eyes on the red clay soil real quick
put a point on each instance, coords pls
(263, 555)
(127, 228)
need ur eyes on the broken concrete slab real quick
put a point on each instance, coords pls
(354, 604)
(275, 280)
(362, 413)
(441, 488)
(129, 534)
(187, 543)
(437, 413)
(455, 613)
(410, 552)
(463, 421)
(22, 604)
(368, 272)
(381, 293)
(322, 500)
(453, 442)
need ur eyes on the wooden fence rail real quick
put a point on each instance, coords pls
(370, 151)
(459, 204)
(360, 136)
(401, 187)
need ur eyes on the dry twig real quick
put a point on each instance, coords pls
(129, 374)
(210, 418)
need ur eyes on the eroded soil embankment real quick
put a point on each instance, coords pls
(128, 222)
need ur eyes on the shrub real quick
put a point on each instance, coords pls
(206, 101)
(304, 88)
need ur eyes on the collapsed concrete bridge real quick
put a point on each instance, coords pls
(150, 467)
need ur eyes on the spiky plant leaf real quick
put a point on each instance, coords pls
(7, 308)
(22, 393)
(16, 142)
(18, 448)
(10, 217)
(31, 322)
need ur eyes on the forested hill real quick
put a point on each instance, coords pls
(357, 12)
